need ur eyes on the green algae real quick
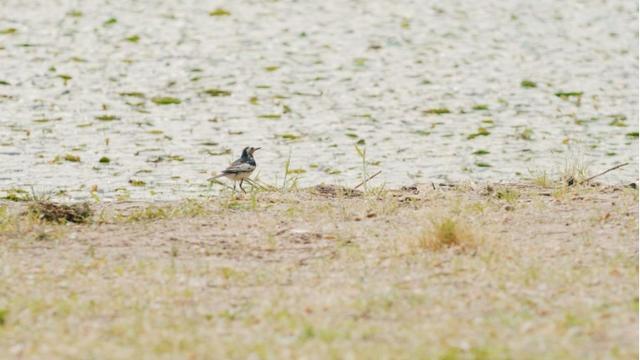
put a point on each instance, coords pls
(480, 132)
(135, 94)
(219, 12)
(270, 116)
(217, 92)
(137, 182)
(290, 136)
(133, 38)
(107, 117)
(436, 111)
(110, 21)
(481, 152)
(528, 84)
(8, 31)
(165, 100)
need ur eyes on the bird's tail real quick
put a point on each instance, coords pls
(215, 177)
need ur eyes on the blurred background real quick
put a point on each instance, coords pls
(145, 99)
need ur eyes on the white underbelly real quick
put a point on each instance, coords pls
(238, 176)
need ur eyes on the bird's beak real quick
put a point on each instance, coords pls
(256, 149)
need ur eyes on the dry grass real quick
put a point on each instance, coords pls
(448, 232)
(328, 275)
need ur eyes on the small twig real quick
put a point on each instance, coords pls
(604, 172)
(367, 180)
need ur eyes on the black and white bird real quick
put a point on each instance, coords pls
(240, 169)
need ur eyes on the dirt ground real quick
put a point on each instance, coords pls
(494, 272)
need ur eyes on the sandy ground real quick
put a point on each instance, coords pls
(536, 273)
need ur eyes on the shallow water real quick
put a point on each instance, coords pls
(312, 79)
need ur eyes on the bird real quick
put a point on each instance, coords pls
(240, 169)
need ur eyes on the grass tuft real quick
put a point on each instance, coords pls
(447, 232)
(53, 212)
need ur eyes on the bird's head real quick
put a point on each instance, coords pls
(248, 151)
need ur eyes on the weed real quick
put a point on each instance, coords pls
(447, 232)
(508, 194)
(542, 179)
(53, 212)
(362, 153)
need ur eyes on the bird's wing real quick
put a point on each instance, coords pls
(235, 168)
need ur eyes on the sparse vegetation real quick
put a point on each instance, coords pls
(54, 212)
(447, 232)
(175, 255)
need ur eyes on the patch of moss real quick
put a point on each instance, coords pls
(480, 107)
(104, 160)
(633, 135)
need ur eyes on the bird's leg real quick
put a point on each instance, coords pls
(241, 180)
